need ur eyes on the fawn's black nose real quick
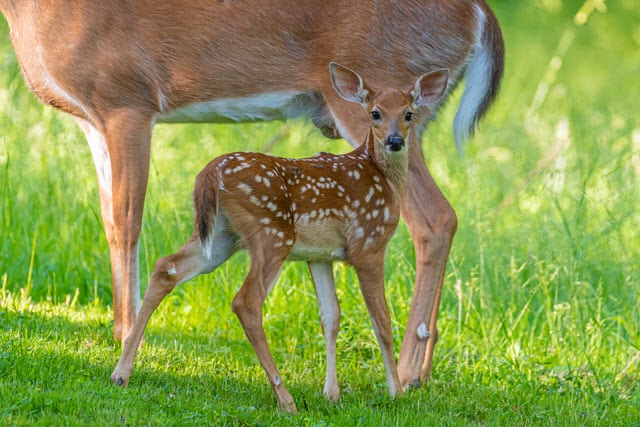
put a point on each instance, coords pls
(395, 142)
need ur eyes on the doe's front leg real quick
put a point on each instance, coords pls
(432, 223)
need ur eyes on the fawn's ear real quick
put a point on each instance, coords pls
(430, 87)
(348, 84)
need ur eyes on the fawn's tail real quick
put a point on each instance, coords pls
(205, 201)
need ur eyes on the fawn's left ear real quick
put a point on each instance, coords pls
(430, 87)
(349, 85)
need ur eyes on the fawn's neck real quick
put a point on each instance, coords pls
(393, 165)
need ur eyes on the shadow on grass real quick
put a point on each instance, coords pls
(55, 369)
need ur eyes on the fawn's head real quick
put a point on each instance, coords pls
(390, 110)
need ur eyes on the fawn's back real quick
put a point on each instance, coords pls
(322, 208)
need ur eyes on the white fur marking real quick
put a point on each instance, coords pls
(369, 195)
(264, 107)
(422, 331)
(477, 77)
(244, 188)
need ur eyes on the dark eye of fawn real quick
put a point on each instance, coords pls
(375, 115)
(408, 116)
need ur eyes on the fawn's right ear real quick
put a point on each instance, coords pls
(348, 84)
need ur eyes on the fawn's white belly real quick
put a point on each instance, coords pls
(318, 241)
(302, 252)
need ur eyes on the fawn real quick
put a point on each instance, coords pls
(319, 209)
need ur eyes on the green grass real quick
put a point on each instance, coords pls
(539, 323)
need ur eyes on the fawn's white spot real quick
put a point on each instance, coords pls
(244, 188)
(369, 195)
(368, 242)
(172, 272)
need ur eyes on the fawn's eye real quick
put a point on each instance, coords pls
(408, 116)
(375, 115)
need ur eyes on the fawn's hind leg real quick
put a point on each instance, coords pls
(169, 272)
(323, 281)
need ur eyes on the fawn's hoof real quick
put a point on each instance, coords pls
(288, 407)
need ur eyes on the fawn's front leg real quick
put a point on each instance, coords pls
(370, 272)
(247, 305)
(323, 281)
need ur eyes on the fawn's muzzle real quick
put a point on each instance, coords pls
(395, 143)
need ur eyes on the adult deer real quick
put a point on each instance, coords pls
(121, 66)
(318, 210)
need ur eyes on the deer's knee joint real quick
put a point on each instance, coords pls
(246, 312)
(439, 232)
(165, 275)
